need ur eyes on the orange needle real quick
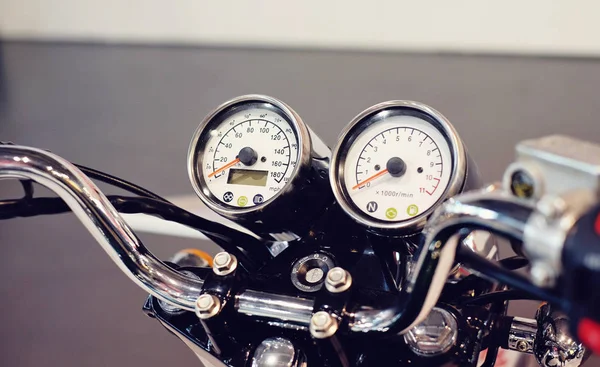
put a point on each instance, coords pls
(378, 174)
(233, 162)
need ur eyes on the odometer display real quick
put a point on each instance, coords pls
(247, 177)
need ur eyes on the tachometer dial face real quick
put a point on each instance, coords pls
(397, 168)
(394, 164)
(246, 153)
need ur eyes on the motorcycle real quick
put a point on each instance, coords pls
(380, 252)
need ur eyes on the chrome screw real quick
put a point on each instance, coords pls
(207, 306)
(338, 280)
(224, 263)
(435, 335)
(522, 346)
(322, 325)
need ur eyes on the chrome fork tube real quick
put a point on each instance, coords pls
(102, 220)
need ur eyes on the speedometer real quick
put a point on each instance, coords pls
(394, 163)
(249, 154)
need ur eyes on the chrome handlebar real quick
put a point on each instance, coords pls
(102, 220)
(285, 310)
(496, 212)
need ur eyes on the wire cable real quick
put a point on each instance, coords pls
(119, 182)
(514, 262)
(227, 238)
(100, 176)
(508, 277)
(475, 282)
(499, 296)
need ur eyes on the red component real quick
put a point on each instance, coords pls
(589, 333)
(597, 225)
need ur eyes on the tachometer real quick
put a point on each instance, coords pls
(394, 163)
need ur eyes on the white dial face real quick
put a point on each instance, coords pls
(249, 157)
(397, 168)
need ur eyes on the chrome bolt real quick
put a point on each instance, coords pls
(522, 346)
(207, 306)
(224, 263)
(277, 352)
(435, 335)
(322, 325)
(338, 280)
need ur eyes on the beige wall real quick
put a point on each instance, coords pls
(510, 26)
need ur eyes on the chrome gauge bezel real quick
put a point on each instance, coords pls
(196, 154)
(361, 122)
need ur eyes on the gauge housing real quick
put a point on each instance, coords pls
(377, 113)
(276, 212)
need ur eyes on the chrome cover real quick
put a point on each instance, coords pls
(435, 335)
(277, 352)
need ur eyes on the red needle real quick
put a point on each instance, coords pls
(233, 162)
(378, 174)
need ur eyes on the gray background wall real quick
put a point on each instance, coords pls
(131, 111)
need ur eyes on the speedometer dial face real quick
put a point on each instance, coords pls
(394, 163)
(249, 157)
(245, 153)
(397, 168)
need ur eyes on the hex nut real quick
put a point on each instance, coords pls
(338, 280)
(522, 346)
(207, 306)
(322, 325)
(224, 263)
